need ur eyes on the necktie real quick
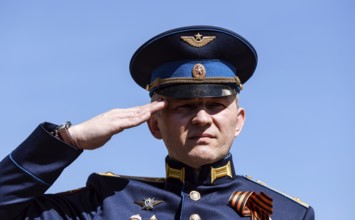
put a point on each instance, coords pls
(257, 206)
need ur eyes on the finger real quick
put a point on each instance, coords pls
(137, 115)
(139, 110)
(155, 106)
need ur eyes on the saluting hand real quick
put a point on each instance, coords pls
(97, 131)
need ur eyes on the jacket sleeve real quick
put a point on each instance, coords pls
(31, 169)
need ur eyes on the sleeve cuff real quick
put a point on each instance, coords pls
(44, 156)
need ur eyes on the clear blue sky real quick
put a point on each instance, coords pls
(68, 60)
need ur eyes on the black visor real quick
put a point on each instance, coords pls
(197, 90)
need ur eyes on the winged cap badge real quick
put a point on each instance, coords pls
(198, 40)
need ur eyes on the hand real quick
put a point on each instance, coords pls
(97, 131)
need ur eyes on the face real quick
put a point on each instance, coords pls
(198, 131)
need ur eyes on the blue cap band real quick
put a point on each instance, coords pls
(183, 68)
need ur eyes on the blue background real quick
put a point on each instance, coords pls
(68, 60)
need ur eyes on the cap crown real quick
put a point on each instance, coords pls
(174, 54)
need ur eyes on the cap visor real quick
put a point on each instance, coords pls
(197, 90)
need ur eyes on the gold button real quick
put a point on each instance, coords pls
(194, 195)
(195, 217)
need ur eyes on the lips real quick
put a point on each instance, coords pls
(201, 136)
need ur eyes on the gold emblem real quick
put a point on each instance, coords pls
(148, 204)
(198, 40)
(199, 71)
(108, 174)
(175, 173)
(221, 172)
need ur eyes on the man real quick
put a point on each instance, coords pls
(193, 75)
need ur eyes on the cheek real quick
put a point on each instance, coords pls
(171, 126)
(228, 125)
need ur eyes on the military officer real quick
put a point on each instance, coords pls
(193, 75)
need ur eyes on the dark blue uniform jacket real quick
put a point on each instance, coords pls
(32, 168)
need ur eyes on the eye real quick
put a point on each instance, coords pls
(184, 107)
(216, 106)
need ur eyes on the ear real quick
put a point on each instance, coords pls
(154, 127)
(240, 122)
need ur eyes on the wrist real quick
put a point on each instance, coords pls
(62, 132)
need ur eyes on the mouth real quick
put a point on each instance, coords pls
(202, 136)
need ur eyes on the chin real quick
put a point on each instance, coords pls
(200, 157)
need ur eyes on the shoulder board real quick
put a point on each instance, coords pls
(139, 178)
(296, 199)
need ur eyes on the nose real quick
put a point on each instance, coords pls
(202, 117)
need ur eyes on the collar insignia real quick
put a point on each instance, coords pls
(198, 40)
(175, 173)
(221, 172)
(148, 204)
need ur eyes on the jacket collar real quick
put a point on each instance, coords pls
(215, 173)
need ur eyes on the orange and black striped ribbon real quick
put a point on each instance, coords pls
(257, 206)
